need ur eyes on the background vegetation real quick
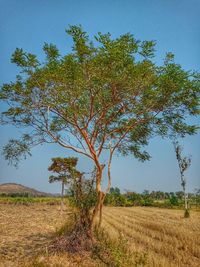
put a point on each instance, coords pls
(114, 198)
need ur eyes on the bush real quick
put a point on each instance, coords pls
(147, 202)
(174, 200)
(163, 204)
(83, 196)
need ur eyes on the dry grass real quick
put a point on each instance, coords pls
(168, 239)
(27, 231)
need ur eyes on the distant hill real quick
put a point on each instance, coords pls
(12, 188)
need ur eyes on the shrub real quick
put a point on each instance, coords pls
(147, 202)
(174, 200)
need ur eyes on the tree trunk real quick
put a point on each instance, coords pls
(62, 194)
(96, 209)
(98, 206)
(101, 208)
(186, 213)
(108, 187)
(101, 194)
(186, 199)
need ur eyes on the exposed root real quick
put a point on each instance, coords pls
(79, 240)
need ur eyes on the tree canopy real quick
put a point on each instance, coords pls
(64, 168)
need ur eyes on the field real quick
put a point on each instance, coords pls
(26, 232)
(162, 235)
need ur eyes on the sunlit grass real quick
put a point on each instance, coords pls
(166, 237)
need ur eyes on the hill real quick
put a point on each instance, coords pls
(12, 188)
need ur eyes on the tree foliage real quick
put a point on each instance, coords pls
(111, 91)
(16, 150)
(64, 168)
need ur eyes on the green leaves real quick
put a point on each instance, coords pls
(23, 59)
(51, 51)
(169, 58)
(16, 150)
(81, 47)
(65, 168)
(148, 49)
(63, 165)
(108, 91)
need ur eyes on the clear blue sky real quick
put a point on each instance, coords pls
(174, 24)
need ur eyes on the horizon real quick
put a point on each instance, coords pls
(175, 27)
(121, 192)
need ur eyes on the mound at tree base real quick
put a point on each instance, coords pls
(79, 240)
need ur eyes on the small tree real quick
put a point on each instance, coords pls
(63, 167)
(183, 164)
(83, 196)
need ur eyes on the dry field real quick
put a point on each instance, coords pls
(166, 238)
(25, 233)
(24, 230)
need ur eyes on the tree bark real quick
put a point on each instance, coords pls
(101, 208)
(186, 200)
(109, 184)
(183, 182)
(99, 194)
(62, 194)
(102, 195)
(97, 208)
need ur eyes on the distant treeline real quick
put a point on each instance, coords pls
(113, 198)
(153, 198)
(26, 194)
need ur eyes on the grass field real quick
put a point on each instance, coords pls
(162, 235)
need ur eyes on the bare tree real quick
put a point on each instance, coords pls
(183, 163)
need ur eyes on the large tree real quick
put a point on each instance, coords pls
(106, 94)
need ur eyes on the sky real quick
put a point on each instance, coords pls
(175, 26)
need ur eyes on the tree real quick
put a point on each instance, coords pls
(183, 164)
(82, 196)
(145, 192)
(63, 167)
(104, 96)
(180, 194)
(115, 191)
